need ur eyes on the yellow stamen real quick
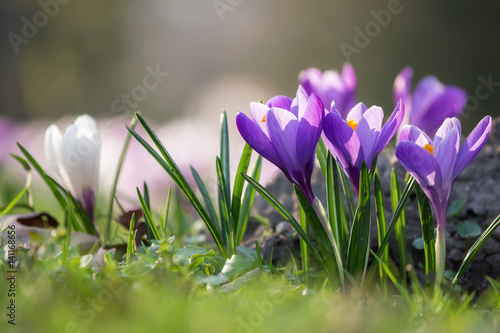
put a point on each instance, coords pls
(429, 148)
(352, 124)
(263, 119)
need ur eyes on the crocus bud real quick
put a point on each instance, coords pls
(75, 158)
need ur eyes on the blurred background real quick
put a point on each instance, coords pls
(181, 61)
(85, 55)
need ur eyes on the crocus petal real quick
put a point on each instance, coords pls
(368, 131)
(282, 102)
(310, 79)
(282, 127)
(344, 144)
(53, 141)
(414, 134)
(425, 92)
(447, 125)
(390, 128)
(445, 154)
(421, 165)
(81, 151)
(356, 112)
(402, 91)
(309, 130)
(258, 113)
(449, 103)
(299, 102)
(402, 86)
(349, 77)
(257, 139)
(472, 145)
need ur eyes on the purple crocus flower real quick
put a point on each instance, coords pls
(286, 132)
(331, 86)
(360, 136)
(436, 164)
(431, 102)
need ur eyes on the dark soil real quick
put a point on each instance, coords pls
(479, 183)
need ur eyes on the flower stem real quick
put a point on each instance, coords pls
(440, 247)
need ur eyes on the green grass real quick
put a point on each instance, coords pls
(155, 294)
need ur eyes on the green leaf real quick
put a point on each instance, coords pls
(401, 226)
(359, 242)
(224, 153)
(381, 224)
(477, 245)
(428, 238)
(319, 231)
(287, 216)
(182, 256)
(147, 215)
(14, 201)
(394, 220)
(131, 239)
(336, 212)
(206, 197)
(322, 154)
(456, 207)
(22, 161)
(168, 164)
(52, 184)
(247, 203)
(468, 229)
(239, 182)
(227, 226)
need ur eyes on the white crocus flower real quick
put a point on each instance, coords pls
(75, 157)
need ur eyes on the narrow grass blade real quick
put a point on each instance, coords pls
(149, 231)
(131, 239)
(206, 197)
(168, 164)
(401, 226)
(322, 154)
(259, 258)
(335, 206)
(394, 220)
(475, 247)
(247, 203)
(402, 289)
(381, 227)
(48, 180)
(112, 193)
(14, 201)
(304, 250)
(346, 186)
(424, 208)
(359, 241)
(224, 152)
(239, 182)
(224, 206)
(22, 161)
(289, 217)
(164, 218)
(147, 215)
